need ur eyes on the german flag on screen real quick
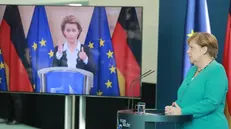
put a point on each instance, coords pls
(13, 45)
(127, 47)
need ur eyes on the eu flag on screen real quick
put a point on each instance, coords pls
(40, 43)
(197, 20)
(99, 41)
(3, 82)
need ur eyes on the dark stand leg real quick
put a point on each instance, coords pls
(15, 107)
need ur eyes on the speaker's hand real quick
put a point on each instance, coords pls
(60, 48)
(82, 54)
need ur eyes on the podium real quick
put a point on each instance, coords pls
(87, 78)
(130, 119)
(81, 83)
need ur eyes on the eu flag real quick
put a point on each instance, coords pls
(3, 82)
(40, 43)
(197, 20)
(99, 41)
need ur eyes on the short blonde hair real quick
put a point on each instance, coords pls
(205, 39)
(70, 19)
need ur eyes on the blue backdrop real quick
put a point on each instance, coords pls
(170, 45)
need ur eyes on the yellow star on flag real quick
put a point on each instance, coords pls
(112, 69)
(192, 32)
(51, 53)
(0, 80)
(99, 93)
(101, 42)
(91, 45)
(0, 51)
(109, 54)
(35, 46)
(2, 65)
(108, 84)
(43, 42)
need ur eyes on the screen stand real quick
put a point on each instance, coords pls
(70, 112)
(82, 112)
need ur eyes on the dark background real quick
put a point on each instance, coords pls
(170, 45)
(47, 112)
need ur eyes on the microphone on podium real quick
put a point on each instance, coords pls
(136, 79)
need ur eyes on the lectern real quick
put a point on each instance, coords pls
(72, 81)
(130, 119)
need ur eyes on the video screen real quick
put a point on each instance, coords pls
(77, 50)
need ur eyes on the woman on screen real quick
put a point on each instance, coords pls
(203, 91)
(72, 53)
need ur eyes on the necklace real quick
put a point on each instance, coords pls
(198, 71)
(205, 66)
(193, 78)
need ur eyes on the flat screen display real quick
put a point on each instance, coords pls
(77, 50)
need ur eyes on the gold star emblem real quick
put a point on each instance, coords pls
(43, 42)
(51, 53)
(91, 45)
(109, 54)
(2, 65)
(108, 84)
(35, 46)
(191, 33)
(112, 69)
(101, 42)
(99, 93)
(0, 51)
(0, 80)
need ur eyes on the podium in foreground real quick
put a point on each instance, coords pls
(71, 82)
(130, 119)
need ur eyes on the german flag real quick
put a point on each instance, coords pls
(13, 45)
(127, 47)
(227, 65)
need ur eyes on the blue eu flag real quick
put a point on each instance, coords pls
(197, 20)
(3, 82)
(40, 43)
(99, 41)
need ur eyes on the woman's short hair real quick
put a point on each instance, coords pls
(70, 19)
(205, 39)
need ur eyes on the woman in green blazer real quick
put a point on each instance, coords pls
(203, 91)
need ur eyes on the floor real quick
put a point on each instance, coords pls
(5, 126)
(19, 126)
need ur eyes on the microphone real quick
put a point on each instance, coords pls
(138, 78)
(134, 81)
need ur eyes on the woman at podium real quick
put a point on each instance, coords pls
(72, 53)
(202, 94)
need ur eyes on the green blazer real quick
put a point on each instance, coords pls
(204, 97)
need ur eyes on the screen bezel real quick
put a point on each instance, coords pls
(84, 4)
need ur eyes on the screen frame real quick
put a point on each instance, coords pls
(85, 4)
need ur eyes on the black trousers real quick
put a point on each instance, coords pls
(15, 107)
